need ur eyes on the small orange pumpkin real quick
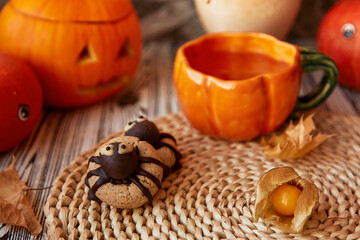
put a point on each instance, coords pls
(240, 85)
(20, 101)
(82, 51)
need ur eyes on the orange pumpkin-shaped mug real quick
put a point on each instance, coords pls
(240, 85)
(81, 51)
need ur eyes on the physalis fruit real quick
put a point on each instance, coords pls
(284, 199)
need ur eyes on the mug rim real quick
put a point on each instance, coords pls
(215, 35)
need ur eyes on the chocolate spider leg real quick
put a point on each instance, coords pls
(176, 152)
(136, 149)
(163, 144)
(178, 156)
(150, 176)
(103, 179)
(167, 135)
(94, 159)
(143, 189)
(165, 167)
(91, 195)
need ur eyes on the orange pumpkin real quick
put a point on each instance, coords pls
(82, 51)
(239, 85)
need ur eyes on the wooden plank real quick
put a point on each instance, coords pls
(339, 103)
(354, 98)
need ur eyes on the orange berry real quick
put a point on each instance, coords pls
(285, 198)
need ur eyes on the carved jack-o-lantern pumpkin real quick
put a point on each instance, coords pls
(82, 51)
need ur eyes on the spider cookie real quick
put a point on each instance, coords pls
(164, 143)
(124, 172)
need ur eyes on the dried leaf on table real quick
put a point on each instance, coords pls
(296, 141)
(15, 208)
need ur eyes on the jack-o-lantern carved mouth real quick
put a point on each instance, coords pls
(115, 82)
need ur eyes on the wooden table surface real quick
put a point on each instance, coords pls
(62, 134)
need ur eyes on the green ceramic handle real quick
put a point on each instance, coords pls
(313, 60)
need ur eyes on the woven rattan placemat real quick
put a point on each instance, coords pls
(212, 196)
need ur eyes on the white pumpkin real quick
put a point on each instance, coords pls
(274, 17)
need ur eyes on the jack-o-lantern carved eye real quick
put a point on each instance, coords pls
(126, 50)
(87, 55)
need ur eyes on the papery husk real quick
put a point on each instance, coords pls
(264, 209)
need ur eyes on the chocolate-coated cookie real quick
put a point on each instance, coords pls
(124, 172)
(164, 143)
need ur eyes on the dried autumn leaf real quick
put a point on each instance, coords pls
(264, 209)
(296, 141)
(15, 208)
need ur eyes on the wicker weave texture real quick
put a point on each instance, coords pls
(212, 196)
